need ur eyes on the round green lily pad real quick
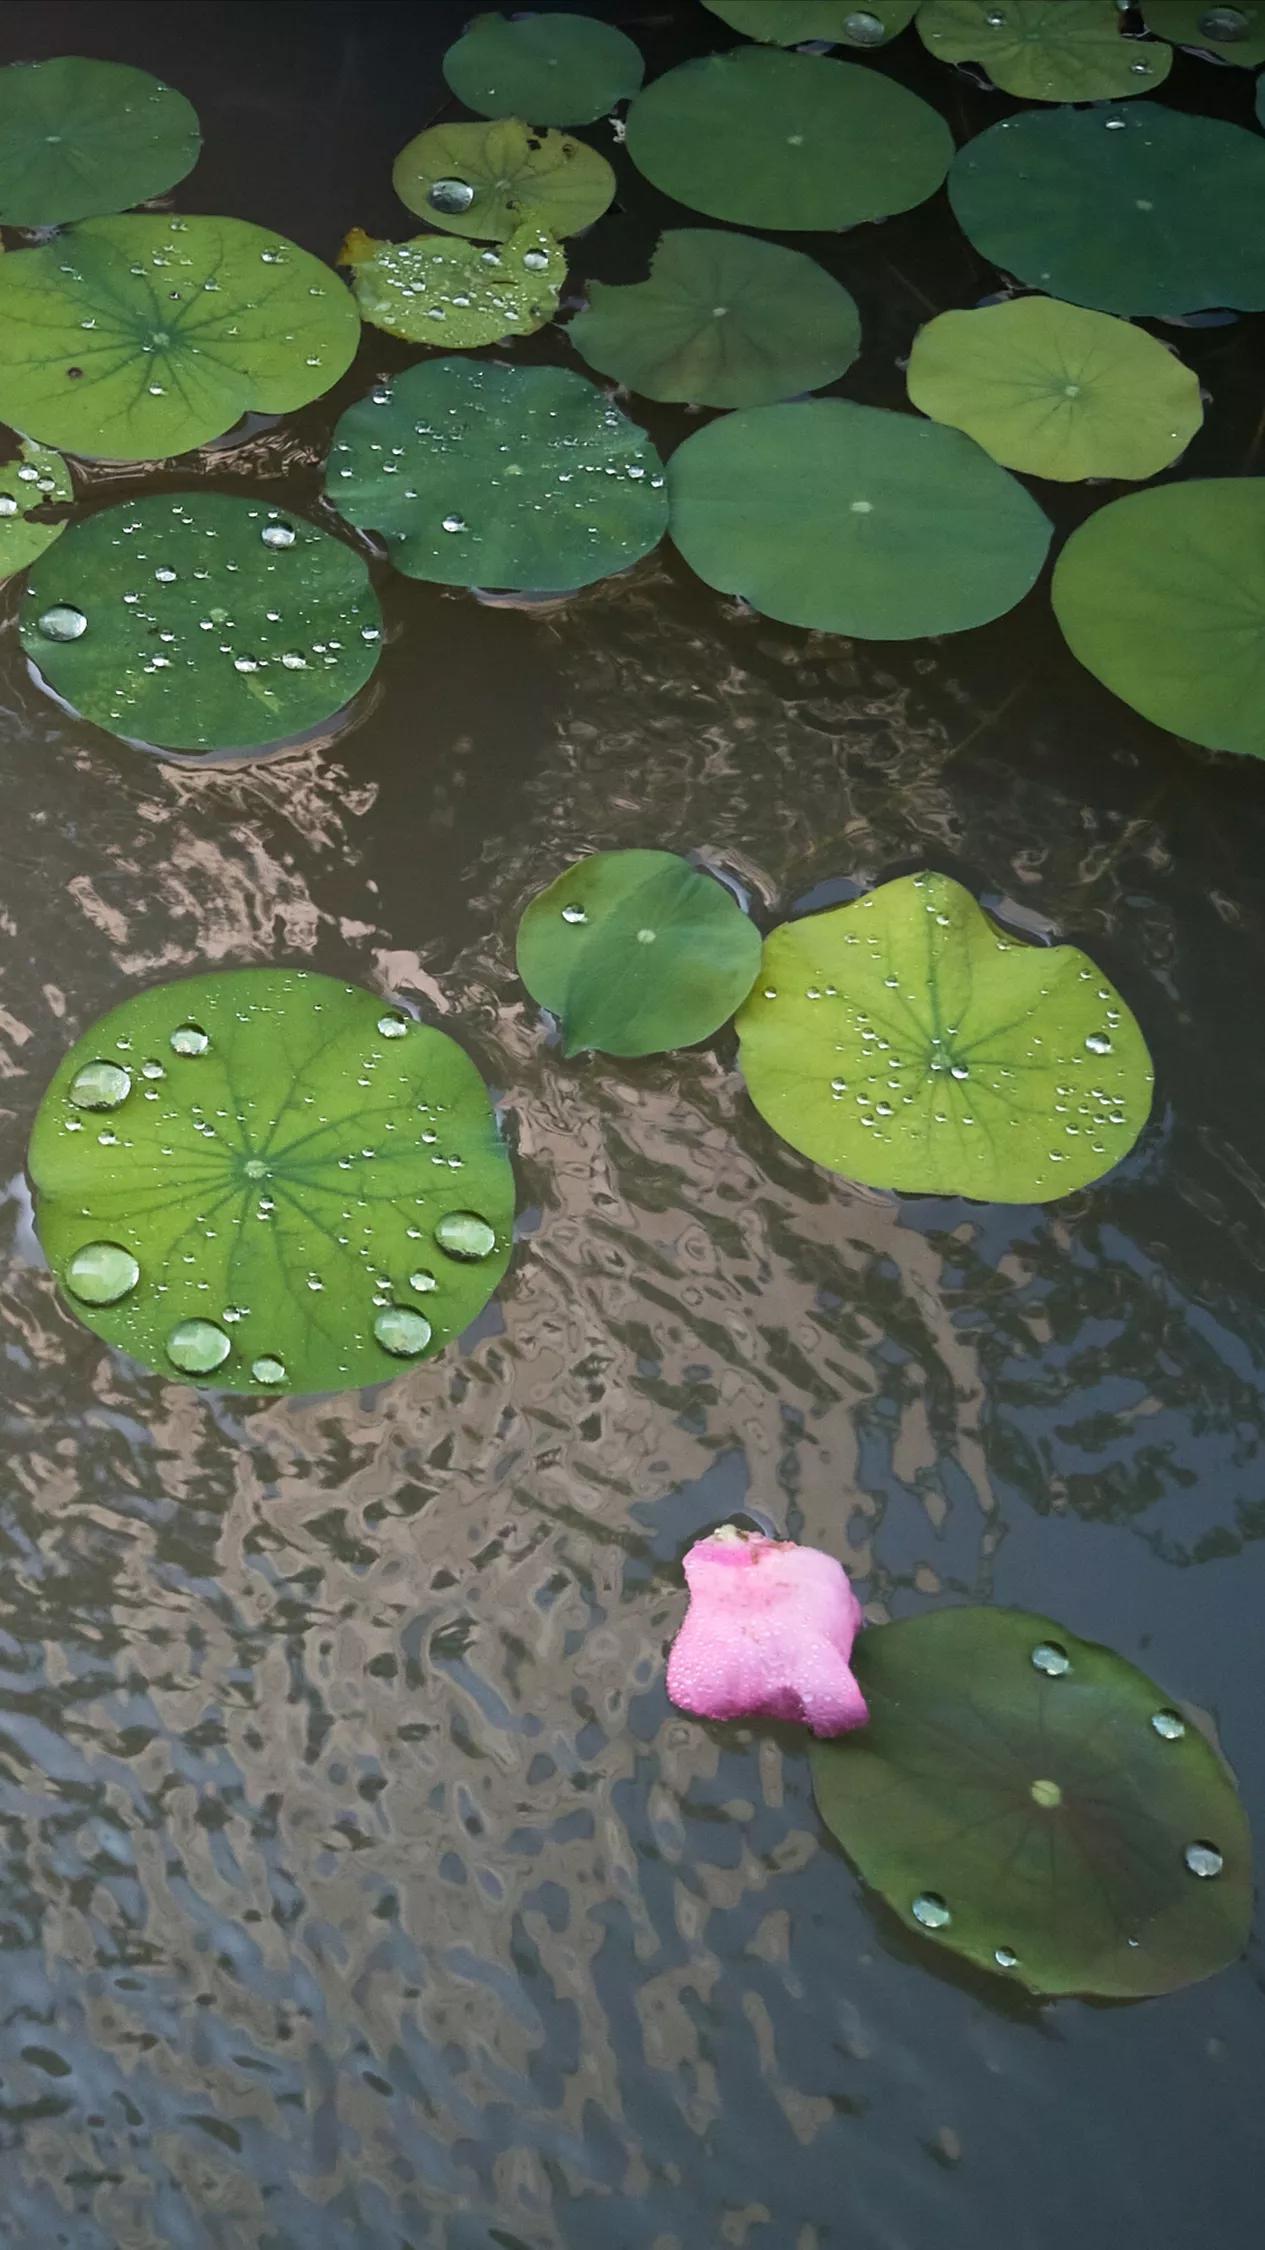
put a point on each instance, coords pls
(724, 320)
(786, 23)
(557, 70)
(134, 338)
(1055, 390)
(440, 290)
(906, 1042)
(1161, 596)
(80, 138)
(636, 953)
(1136, 210)
(271, 1181)
(766, 139)
(195, 621)
(479, 474)
(1236, 34)
(486, 181)
(850, 519)
(1034, 1803)
(1046, 50)
(36, 478)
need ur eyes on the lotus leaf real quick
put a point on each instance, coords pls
(81, 138)
(557, 70)
(786, 23)
(1046, 50)
(440, 290)
(36, 478)
(486, 181)
(1237, 34)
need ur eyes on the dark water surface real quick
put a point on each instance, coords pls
(358, 1886)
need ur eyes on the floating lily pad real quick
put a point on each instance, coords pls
(904, 1041)
(1046, 50)
(637, 953)
(724, 320)
(486, 181)
(1161, 596)
(766, 139)
(35, 479)
(1033, 1802)
(198, 622)
(786, 23)
(478, 474)
(1056, 391)
(138, 337)
(1137, 210)
(557, 70)
(440, 290)
(79, 138)
(270, 1181)
(850, 519)
(1237, 35)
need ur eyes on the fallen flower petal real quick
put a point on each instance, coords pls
(769, 1631)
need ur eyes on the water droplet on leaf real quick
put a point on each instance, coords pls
(102, 1272)
(463, 1234)
(197, 1347)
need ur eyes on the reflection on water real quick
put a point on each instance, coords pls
(358, 1884)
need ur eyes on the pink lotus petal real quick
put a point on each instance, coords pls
(769, 1630)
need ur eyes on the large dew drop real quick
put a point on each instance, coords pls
(930, 1909)
(197, 1347)
(450, 195)
(63, 623)
(463, 1234)
(101, 1273)
(1049, 1658)
(189, 1039)
(1203, 1859)
(278, 535)
(401, 1332)
(268, 1369)
(100, 1085)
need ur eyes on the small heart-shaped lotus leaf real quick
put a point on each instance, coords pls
(1236, 34)
(134, 338)
(636, 953)
(905, 1042)
(1046, 50)
(786, 23)
(268, 1180)
(80, 138)
(479, 474)
(557, 70)
(850, 519)
(1055, 390)
(35, 479)
(1129, 210)
(1033, 1802)
(766, 139)
(724, 320)
(440, 290)
(1161, 596)
(486, 181)
(196, 621)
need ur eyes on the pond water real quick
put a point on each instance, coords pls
(358, 1885)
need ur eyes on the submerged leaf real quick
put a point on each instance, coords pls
(440, 290)
(79, 138)
(1034, 1803)
(271, 1181)
(1236, 34)
(555, 69)
(486, 181)
(1046, 50)
(787, 23)
(905, 1042)
(32, 481)
(636, 953)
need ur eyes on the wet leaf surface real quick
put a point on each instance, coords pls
(79, 138)
(486, 181)
(554, 69)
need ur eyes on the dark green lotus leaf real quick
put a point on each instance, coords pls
(850, 519)
(479, 474)
(35, 479)
(724, 320)
(766, 139)
(1161, 596)
(441, 290)
(907, 1042)
(1055, 390)
(557, 70)
(1136, 210)
(80, 138)
(134, 338)
(636, 953)
(786, 23)
(266, 1180)
(1046, 50)
(1033, 1802)
(195, 621)
(1236, 34)
(486, 181)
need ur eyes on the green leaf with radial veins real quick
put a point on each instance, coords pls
(486, 181)
(196, 621)
(557, 70)
(724, 320)
(786, 23)
(1236, 34)
(906, 1042)
(134, 338)
(34, 480)
(267, 1180)
(1046, 50)
(442, 291)
(479, 474)
(637, 953)
(80, 138)
(765, 139)
(1034, 1803)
